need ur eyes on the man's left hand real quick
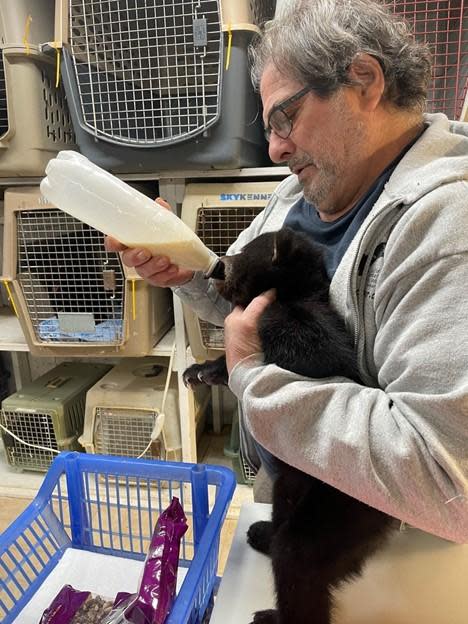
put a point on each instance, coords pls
(240, 329)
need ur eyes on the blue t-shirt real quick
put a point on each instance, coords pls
(336, 236)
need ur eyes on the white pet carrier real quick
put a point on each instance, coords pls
(72, 297)
(444, 26)
(163, 85)
(218, 213)
(129, 413)
(47, 413)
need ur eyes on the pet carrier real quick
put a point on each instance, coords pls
(3, 293)
(244, 470)
(74, 298)
(157, 85)
(34, 119)
(218, 213)
(464, 115)
(25, 22)
(48, 413)
(86, 513)
(129, 412)
(444, 26)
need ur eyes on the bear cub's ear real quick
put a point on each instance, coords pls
(283, 242)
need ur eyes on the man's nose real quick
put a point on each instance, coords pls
(280, 150)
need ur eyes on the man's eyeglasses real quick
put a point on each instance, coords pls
(279, 121)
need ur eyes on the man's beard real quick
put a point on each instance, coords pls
(318, 191)
(326, 190)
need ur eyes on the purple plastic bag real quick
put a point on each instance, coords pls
(155, 596)
(70, 604)
(153, 601)
(64, 606)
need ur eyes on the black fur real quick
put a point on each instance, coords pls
(318, 537)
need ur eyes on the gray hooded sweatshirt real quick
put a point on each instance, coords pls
(399, 442)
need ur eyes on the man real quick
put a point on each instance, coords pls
(384, 189)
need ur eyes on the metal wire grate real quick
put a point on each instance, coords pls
(125, 432)
(148, 72)
(35, 428)
(3, 99)
(218, 229)
(73, 288)
(443, 24)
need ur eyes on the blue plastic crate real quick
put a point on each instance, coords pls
(109, 505)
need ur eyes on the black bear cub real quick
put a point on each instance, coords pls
(318, 536)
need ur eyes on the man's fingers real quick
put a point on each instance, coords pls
(163, 202)
(111, 244)
(259, 303)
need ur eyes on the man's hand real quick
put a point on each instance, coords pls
(157, 270)
(240, 329)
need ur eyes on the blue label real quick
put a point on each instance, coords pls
(245, 196)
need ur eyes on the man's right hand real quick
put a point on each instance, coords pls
(157, 270)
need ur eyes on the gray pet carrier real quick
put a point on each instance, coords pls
(47, 415)
(163, 85)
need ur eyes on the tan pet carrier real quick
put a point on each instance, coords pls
(72, 297)
(26, 22)
(129, 413)
(34, 119)
(47, 415)
(218, 213)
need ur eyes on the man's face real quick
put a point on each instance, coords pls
(326, 147)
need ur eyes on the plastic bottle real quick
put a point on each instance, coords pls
(96, 197)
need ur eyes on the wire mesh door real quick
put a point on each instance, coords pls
(148, 72)
(73, 288)
(125, 432)
(443, 24)
(218, 229)
(32, 427)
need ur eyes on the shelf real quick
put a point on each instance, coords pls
(248, 172)
(12, 337)
(11, 334)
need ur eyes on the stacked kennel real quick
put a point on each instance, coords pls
(72, 297)
(218, 213)
(163, 85)
(444, 26)
(47, 415)
(133, 411)
(34, 120)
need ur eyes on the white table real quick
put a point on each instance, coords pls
(416, 579)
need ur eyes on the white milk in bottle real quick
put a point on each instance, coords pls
(96, 197)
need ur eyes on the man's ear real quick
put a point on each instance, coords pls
(367, 75)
